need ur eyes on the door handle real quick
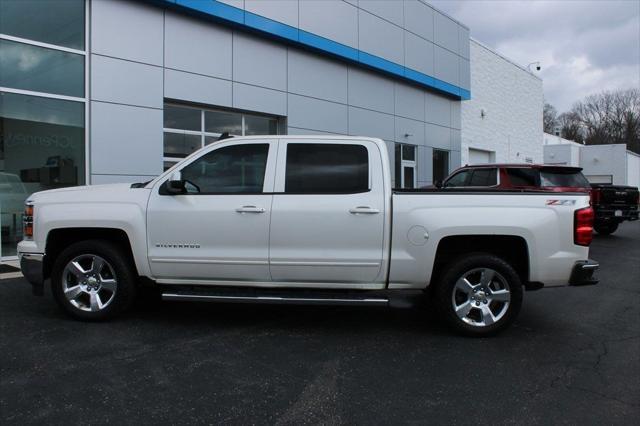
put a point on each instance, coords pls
(363, 210)
(250, 209)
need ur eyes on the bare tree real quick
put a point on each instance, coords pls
(607, 118)
(549, 116)
(571, 126)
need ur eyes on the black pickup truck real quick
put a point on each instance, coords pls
(613, 204)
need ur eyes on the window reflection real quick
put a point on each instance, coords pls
(232, 169)
(38, 69)
(59, 22)
(221, 122)
(41, 147)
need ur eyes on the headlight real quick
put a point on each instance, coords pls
(27, 221)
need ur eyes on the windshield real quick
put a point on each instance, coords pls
(572, 178)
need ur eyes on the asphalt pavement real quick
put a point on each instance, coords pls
(573, 357)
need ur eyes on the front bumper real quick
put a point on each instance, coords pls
(583, 273)
(32, 266)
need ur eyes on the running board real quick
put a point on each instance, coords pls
(293, 297)
(275, 300)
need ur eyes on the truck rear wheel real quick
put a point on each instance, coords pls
(93, 280)
(605, 228)
(479, 294)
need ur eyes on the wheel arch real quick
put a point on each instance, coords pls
(61, 238)
(512, 248)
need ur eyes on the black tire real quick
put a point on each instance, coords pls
(118, 268)
(606, 228)
(446, 294)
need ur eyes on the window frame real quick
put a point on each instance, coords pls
(474, 170)
(82, 100)
(202, 132)
(282, 157)
(269, 174)
(401, 163)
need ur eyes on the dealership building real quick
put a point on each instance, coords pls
(101, 91)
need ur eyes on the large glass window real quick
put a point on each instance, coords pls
(232, 169)
(187, 129)
(42, 137)
(41, 147)
(440, 165)
(59, 22)
(326, 168)
(28, 67)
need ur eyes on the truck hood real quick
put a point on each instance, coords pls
(89, 193)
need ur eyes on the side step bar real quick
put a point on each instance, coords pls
(391, 298)
(277, 300)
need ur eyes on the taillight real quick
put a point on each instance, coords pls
(595, 197)
(27, 222)
(583, 226)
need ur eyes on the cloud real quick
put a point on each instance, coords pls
(584, 46)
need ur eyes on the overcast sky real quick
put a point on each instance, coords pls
(584, 47)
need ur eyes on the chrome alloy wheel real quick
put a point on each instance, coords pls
(89, 283)
(481, 297)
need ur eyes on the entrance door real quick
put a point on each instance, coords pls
(328, 213)
(218, 230)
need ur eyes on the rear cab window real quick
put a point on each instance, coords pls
(321, 168)
(563, 178)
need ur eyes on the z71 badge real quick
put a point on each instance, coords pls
(561, 202)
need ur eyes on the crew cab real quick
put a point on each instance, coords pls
(613, 204)
(304, 219)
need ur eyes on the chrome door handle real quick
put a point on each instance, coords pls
(250, 209)
(363, 210)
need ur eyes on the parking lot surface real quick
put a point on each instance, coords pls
(572, 357)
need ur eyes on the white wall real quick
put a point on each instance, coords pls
(549, 139)
(564, 154)
(512, 99)
(602, 160)
(633, 169)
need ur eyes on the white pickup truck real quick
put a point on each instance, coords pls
(304, 219)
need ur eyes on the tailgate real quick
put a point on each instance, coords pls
(620, 196)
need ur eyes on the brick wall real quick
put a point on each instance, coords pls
(512, 99)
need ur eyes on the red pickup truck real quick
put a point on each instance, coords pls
(612, 204)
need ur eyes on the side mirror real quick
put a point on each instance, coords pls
(175, 185)
(438, 184)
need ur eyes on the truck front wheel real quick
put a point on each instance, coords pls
(93, 280)
(479, 294)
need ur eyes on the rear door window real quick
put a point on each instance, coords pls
(484, 177)
(326, 168)
(520, 176)
(571, 178)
